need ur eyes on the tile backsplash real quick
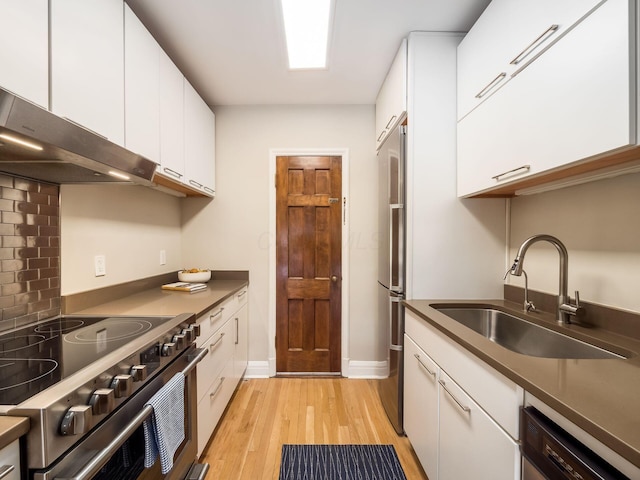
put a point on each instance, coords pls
(29, 251)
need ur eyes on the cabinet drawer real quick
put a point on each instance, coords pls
(212, 404)
(214, 319)
(486, 451)
(221, 346)
(496, 394)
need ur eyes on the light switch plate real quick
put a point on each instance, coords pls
(100, 264)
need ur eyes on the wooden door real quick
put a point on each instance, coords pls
(308, 264)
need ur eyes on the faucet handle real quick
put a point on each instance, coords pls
(577, 299)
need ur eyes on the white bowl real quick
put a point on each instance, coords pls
(198, 277)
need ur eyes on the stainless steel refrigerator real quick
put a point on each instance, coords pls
(391, 266)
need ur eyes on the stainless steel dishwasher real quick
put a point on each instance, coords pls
(550, 453)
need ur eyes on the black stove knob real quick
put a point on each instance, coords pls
(122, 385)
(77, 420)
(168, 349)
(102, 401)
(180, 340)
(139, 373)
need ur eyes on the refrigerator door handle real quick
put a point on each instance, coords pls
(396, 251)
(395, 304)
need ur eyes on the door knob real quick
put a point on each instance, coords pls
(334, 278)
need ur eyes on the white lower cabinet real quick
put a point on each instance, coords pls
(460, 415)
(421, 405)
(224, 333)
(10, 457)
(471, 444)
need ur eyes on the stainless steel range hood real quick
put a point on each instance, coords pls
(36, 144)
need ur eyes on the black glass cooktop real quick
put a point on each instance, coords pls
(36, 357)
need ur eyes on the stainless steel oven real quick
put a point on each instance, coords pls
(550, 453)
(84, 383)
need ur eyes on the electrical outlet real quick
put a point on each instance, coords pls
(163, 257)
(100, 265)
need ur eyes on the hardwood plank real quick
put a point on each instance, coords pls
(264, 414)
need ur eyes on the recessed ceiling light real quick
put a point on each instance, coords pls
(306, 25)
(18, 141)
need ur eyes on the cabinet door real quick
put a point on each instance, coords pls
(199, 137)
(24, 49)
(472, 445)
(391, 103)
(421, 405)
(171, 119)
(87, 64)
(142, 89)
(507, 37)
(574, 102)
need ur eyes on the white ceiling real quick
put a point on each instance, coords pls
(233, 51)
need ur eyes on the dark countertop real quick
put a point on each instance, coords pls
(600, 396)
(12, 428)
(155, 301)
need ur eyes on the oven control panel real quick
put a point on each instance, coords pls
(113, 386)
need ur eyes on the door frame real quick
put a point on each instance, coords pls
(319, 152)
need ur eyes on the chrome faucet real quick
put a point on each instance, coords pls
(565, 309)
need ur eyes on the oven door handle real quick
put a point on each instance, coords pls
(98, 461)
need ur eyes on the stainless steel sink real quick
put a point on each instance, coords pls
(523, 337)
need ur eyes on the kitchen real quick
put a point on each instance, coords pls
(131, 225)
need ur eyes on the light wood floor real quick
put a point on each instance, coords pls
(267, 413)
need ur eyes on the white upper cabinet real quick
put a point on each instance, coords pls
(506, 39)
(87, 64)
(199, 139)
(171, 120)
(574, 104)
(142, 89)
(24, 49)
(391, 103)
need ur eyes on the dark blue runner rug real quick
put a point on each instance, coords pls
(340, 462)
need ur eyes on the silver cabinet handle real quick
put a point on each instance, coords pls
(172, 173)
(526, 168)
(390, 122)
(492, 84)
(214, 315)
(6, 470)
(534, 45)
(215, 392)
(195, 184)
(237, 330)
(433, 374)
(381, 135)
(242, 294)
(464, 408)
(209, 190)
(215, 344)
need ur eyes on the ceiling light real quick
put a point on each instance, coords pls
(119, 175)
(306, 25)
(18, 141)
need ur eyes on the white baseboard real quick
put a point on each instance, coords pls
(257, 369)
(367, 369)
(355, 369)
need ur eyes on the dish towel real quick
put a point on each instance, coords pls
(164, 428)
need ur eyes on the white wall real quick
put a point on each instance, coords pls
(128, 224)
(599, 223)
(232, 232)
